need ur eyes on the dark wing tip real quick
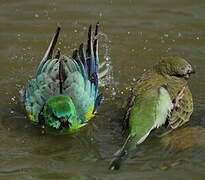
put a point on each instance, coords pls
(53, 42)
(89, 30)
(95, 44)
(115, 164)
(96, 28)
(58, 29)
(81, 46)
(75, 52)
(89, 42)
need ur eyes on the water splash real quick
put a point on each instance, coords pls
(105, 49)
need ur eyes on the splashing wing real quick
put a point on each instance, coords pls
(74, 76)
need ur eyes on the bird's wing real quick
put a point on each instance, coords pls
(44, 84)
(148, 112)
(181, 113)
(80, 77)
(130, 102)
(76, 77)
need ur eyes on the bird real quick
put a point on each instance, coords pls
(160, 97)
(64, 93)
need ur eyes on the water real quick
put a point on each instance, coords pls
(138, 33)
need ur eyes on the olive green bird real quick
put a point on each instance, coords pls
(64, 94)
(161, 95)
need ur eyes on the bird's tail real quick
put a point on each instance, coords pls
(127, 147)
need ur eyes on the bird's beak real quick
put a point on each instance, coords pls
(191, 71)
(187, 76)
(64, 122)
(63, 119)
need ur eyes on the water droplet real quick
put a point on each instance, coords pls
(179, 34)
(134, 79)
(107, 58)
(19, 36)
(36, 15)
(166, 35)
(13, 98)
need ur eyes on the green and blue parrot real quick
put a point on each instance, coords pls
(64, 94)
(160, 97)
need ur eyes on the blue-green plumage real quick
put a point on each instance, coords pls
(74, 79)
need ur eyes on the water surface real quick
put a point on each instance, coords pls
(136, 34)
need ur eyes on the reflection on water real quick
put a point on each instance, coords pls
(134, 35)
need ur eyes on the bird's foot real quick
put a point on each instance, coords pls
(179, 97)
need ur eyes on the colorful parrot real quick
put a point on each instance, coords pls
(161, 96)
(63, 96)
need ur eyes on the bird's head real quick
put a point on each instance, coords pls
(174, 66)
(59, 113)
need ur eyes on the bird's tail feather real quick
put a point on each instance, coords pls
(87, 57)
(127, 147)
(49, 53)
(92, 51)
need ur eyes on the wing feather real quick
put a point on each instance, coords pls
(86, 64)
(75, 77)
(182, 113)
